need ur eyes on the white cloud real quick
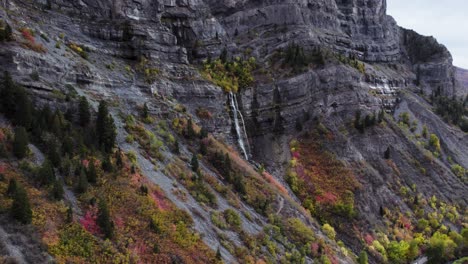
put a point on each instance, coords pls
(446, 20)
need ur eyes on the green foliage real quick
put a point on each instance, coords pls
(387, 153)
(83, 112)
(104, 219)
(21, 208)
(453, 110)
(459, 171)
(363, 259)
(329, 231)
(425, 132)
(105, 128)
(398, 252)
(91, 173)
(6, 33)
(46, 173)
(12, 186)
(441, 248)
(434, 143)
(405, 118)
(298, 232)
(82, 185)
(232, 218)
(20, 143)
(230, 75)
(57, 190)
(194, 163)
(75, 241)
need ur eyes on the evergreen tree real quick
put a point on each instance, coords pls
(105, 128)
(223, 56)
(8, 33)
(69, 218)
(239, 185)
(387, 153)
(54, 155)
(82, 186)
(381, 116)
(194, 163)
(118, 159)
(92, 174)
(23, 111)
(218, 254)
(12, 186)
(203, 149)
(176, 147)
(104, 220)
(357, 121)
(46, 173)
(20, 143)
(57, 190)
(83, 112)
(203, 133)
(21, 208)
(67, 146)
(145, 112)
(107, 164)
(298, 125)
(7, 95)
(190, 132)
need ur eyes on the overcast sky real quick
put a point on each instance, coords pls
(446, 20)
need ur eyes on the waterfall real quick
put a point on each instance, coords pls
(236, 113)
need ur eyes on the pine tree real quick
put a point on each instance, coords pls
(357, 121)
(105, 128)
(224, 55)
(381, 116)
(190, 132)
(107, 164)
(118, 159)
(218, 254)
(203, 133)
(104, 220)
(387, 153)
(46, 173)
(194, 163)
(69, 218)
(23, 111)
(82, 186)
(145, 112)
(8, 33)
(12, 186)
(57, 190)
(21, 208)
(83, 112)
(20, 143)
(54, 155)
(92, 174)
(176, 147)
(203, 148)
(7, 95)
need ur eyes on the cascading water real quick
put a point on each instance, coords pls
(236, 113)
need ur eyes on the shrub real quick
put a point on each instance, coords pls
(329, 231)
(20, 208)
(434, 142)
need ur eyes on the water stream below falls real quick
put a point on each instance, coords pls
(241, 132)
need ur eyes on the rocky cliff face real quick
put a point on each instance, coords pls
(141, 51)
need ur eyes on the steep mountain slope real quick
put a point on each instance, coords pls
(311, 139)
